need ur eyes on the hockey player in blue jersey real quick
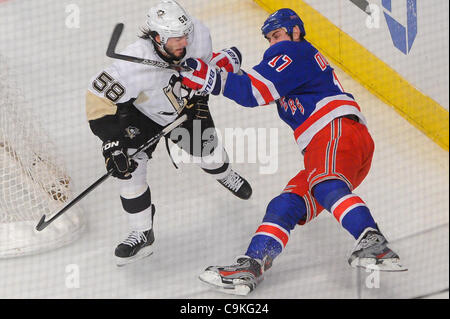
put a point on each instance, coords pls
(332, 134)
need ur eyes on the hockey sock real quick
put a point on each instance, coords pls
(216, 164)
(141, 221)
(220, 172)
(282, 214)
(348, 208)
(139, 210)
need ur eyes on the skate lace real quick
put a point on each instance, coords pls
(135, 238)
(243, 263)
(369, 241)
(233, 181)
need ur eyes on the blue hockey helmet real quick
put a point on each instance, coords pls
(283, 18)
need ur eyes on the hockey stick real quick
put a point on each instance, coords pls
(159, 64)
(44, 223)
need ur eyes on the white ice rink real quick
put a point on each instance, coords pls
(197, 222)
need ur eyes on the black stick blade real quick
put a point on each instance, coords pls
(42, 224)
(111, 52)
(114, 39)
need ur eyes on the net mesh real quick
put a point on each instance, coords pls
(32, 180)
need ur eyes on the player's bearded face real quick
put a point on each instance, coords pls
(176, 46)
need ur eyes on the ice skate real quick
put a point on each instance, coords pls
(138, 245)
(371, 252)
(237, 185)
(240, 278)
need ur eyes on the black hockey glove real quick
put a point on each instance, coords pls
(117, 159)
(197, 107)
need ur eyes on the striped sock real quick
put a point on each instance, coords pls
(348, 209)
(353, 214)
(268, 240)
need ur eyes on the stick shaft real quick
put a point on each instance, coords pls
(44, 223)
(110, 52)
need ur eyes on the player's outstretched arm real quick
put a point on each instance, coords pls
(208, 79)
(211, 78)
(262, 85)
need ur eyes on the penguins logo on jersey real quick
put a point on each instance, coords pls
(177, 94)
(131, 132)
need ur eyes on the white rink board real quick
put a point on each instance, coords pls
(197, 222)
(425, 63)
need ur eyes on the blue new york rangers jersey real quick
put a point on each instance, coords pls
(304, 86)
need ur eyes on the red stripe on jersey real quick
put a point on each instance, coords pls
(262, 88)
(274, 231)
(342, 207)
(323, 111)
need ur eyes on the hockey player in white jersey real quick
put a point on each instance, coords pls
(129, 103)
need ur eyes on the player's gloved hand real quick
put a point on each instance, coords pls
(197, 107)
(229, 60)
(204, 78)
(117, 159)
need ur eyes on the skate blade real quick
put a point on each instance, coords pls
(388, 265)
(213, 279)
(144, 252)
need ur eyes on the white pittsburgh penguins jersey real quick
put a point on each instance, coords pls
(123, 80)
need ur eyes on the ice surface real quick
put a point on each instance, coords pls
(198, 223)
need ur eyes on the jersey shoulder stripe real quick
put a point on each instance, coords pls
(263, 89)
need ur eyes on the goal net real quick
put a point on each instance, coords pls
(33, 181)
